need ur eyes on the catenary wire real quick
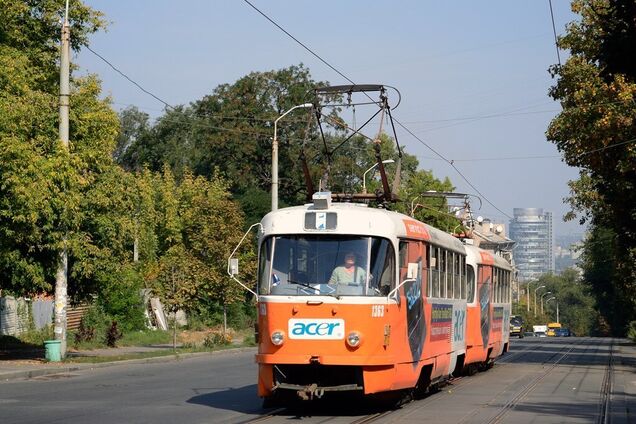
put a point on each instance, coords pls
(398, 122)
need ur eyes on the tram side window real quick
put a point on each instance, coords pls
(433, 286)
(383, 266)
(508, 287)
(462, 269)
(497, 274)
(264, 266)
(457, 277)
(443, 269)
(495, 285)
(470, 284)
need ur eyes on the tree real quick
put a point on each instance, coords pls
(134, 124)
(596, 131)
(43, 186)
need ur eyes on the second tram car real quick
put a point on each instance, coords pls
(419, 305)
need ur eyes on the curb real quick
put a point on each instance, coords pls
(38, 372)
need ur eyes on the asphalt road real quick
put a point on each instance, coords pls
(555, 380)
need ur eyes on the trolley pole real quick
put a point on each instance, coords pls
(61, 276)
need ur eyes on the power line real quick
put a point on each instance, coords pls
(398, 122)
(128, 78)
(441, 157)
(556, 43)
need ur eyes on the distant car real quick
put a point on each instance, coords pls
(540, 334)
(562, 332)
(516, 326)
(528, 334)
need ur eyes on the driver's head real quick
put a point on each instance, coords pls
(350, 258)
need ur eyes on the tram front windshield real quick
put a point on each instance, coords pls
(318, 265)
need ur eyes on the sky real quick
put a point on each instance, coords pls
(473, 75)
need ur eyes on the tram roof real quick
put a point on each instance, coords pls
(486, 257)
(358, 219)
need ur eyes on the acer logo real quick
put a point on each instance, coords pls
(326, 329)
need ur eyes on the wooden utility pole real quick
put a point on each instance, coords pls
(61, 276)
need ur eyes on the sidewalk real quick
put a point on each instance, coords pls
(33, 366)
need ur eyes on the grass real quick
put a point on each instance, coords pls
(153, 354)
(30, 345)
(145, 338)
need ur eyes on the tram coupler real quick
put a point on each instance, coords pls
(310, 391)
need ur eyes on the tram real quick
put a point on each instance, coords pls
(353, 298)
(420, 305)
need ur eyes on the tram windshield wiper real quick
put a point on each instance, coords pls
(315, 287)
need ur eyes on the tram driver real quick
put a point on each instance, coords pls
(349, 272)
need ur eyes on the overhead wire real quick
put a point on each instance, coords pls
(398, 122)
(450, 162)
(556, 41)
(225, 117)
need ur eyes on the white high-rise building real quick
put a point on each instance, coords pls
(531, 229)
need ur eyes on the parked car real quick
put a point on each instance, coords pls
(528, 334)
(562, 332)
(540, 334)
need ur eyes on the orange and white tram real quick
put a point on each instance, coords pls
(421, 305)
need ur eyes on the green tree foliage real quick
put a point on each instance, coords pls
(198, 225)
(44, 187)
(231, 130)
(577, 306)
(596, 132)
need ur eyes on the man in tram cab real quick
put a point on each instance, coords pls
(349, 272)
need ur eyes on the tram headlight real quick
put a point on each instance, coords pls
(354, 339)
(278, 337)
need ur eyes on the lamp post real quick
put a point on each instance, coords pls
(275, 155)
(549, 299)
(364, 176)
(557, 306)
(535, 299)
(542, 300)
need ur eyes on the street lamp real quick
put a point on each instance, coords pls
(535, 299)
(275, 156)
(364, 176)
(542, 300)
(557, 306)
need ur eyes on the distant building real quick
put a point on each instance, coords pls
(532, 231)
(567, 252)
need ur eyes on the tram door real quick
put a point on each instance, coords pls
(484, 290)
(412, 264)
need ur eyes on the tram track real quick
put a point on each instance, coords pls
(606, 389)
(462, 384)
(285, 413)
(549, 365)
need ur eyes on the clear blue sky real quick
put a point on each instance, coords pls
(473, 75)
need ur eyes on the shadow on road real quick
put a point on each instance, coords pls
(240, 399)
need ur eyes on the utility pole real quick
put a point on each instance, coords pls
(61, 275)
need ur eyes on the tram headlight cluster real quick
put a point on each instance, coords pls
(278, 337)
(354, 339)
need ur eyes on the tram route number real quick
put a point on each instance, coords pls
(458, 325)
(377, 311)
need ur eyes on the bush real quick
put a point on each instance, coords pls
(113, 334)
(217, 339)
(94, 323)
(631, 331)
(121, 299)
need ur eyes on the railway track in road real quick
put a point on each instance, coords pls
(493, 411)
(606, 389)
(530, 386)
(605, 392)
(284, 415)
